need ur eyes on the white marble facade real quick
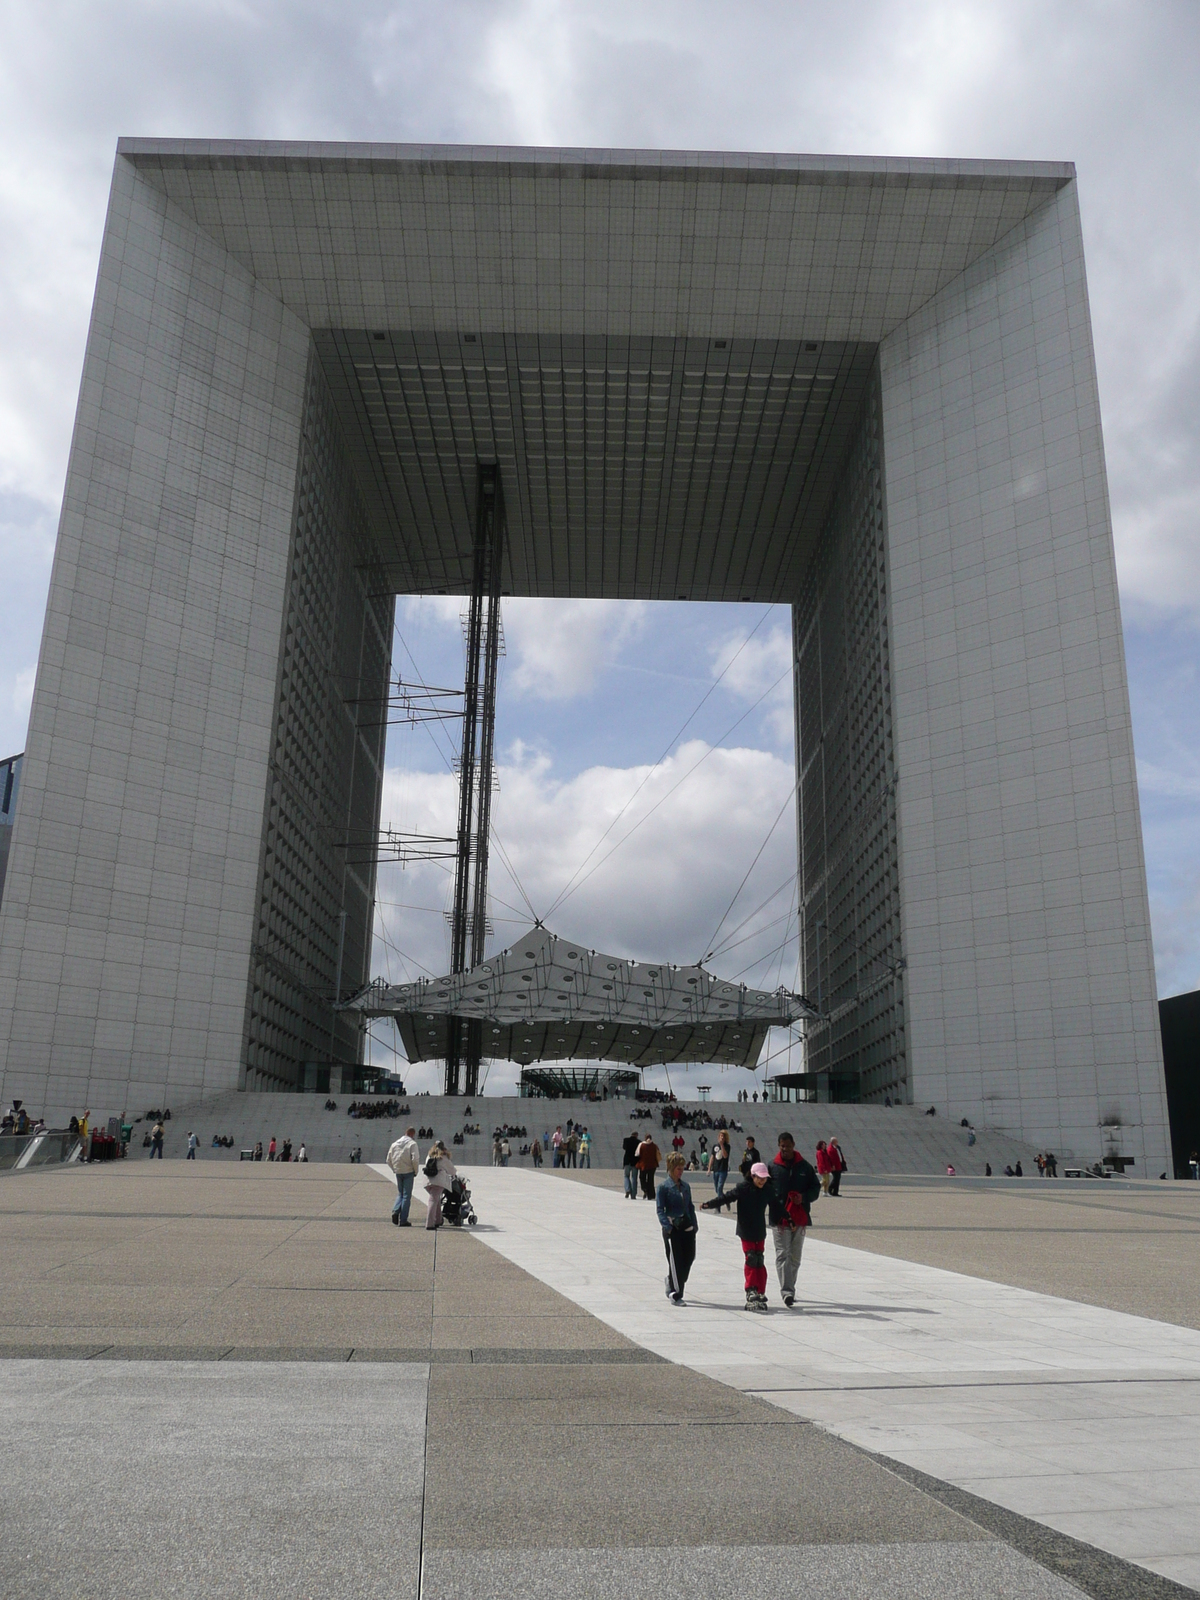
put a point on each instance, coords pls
(129, 915)
(1029, 989)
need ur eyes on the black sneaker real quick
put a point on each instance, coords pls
(678, 1300)
(789, 1299)
(396, 1218)
(403, 1224)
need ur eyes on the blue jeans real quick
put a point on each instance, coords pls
(631, 1182)
(404, 1189)
(718, 1178)
(156, 1150)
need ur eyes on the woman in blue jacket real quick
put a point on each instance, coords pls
(677, 1219)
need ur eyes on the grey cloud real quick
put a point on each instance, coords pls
(1110, 86)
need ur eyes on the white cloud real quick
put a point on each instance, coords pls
(656, 887)
(1111, 87)
(558, 648)
(759, 666)
(22, 693)
(1158, 780)
(1176, 920)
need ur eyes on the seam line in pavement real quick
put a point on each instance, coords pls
(1095, 1571)
(976, 1383)
(445, 1356)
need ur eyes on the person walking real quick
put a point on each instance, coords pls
(585, 1149)
(752, 1197)
(505, 1152)
(795, 1187)
(271, 1149)
(404, 1158)
(837, 1165)
(677, 1219)
(629, 1150)
(649, 1158)
(495, 1149)
(191, 1150)
(719, 1163)
(157, 1134)
(303, 1156)
(439, 1175)
(750, 1155)
(536, 1151)
(823, 1172)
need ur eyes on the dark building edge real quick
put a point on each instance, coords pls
(852, 961)
(1179, 1020)
(317, 862)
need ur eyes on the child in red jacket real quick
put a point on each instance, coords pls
(753, 1199)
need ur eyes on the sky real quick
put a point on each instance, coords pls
(593, 696)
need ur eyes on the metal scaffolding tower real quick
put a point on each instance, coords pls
(468, 927)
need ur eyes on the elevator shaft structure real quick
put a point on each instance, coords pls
(468, 926)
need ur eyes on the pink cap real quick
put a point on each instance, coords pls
(759, 1170)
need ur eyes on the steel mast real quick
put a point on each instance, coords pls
(468, 926)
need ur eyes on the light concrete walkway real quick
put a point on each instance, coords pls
(1082, 1418)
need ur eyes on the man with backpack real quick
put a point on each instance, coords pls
(403, 1158)
(794, 1188)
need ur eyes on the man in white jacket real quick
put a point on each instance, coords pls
(404, 1158)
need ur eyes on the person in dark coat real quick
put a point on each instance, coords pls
(750, 1155)
(837, 1165)
(795, 1187)
(677, 1219)
(753, 1198)
(629, 1149)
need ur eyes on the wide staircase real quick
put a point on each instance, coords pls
(874, 1139)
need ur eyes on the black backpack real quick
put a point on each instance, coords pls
(431, 1167)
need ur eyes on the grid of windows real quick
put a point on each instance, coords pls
(316, 896)
(849, 872)
(647, 468)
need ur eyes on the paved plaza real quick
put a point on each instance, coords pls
(242, 1381)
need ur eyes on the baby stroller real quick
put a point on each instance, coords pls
(456, 1205)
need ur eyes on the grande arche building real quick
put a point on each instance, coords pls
(862, 387)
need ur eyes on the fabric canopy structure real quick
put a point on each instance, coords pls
(546, 999)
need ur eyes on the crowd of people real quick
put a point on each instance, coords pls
(675, 1117)
(569, 1148)
(370, 1109)
(17, 1120)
